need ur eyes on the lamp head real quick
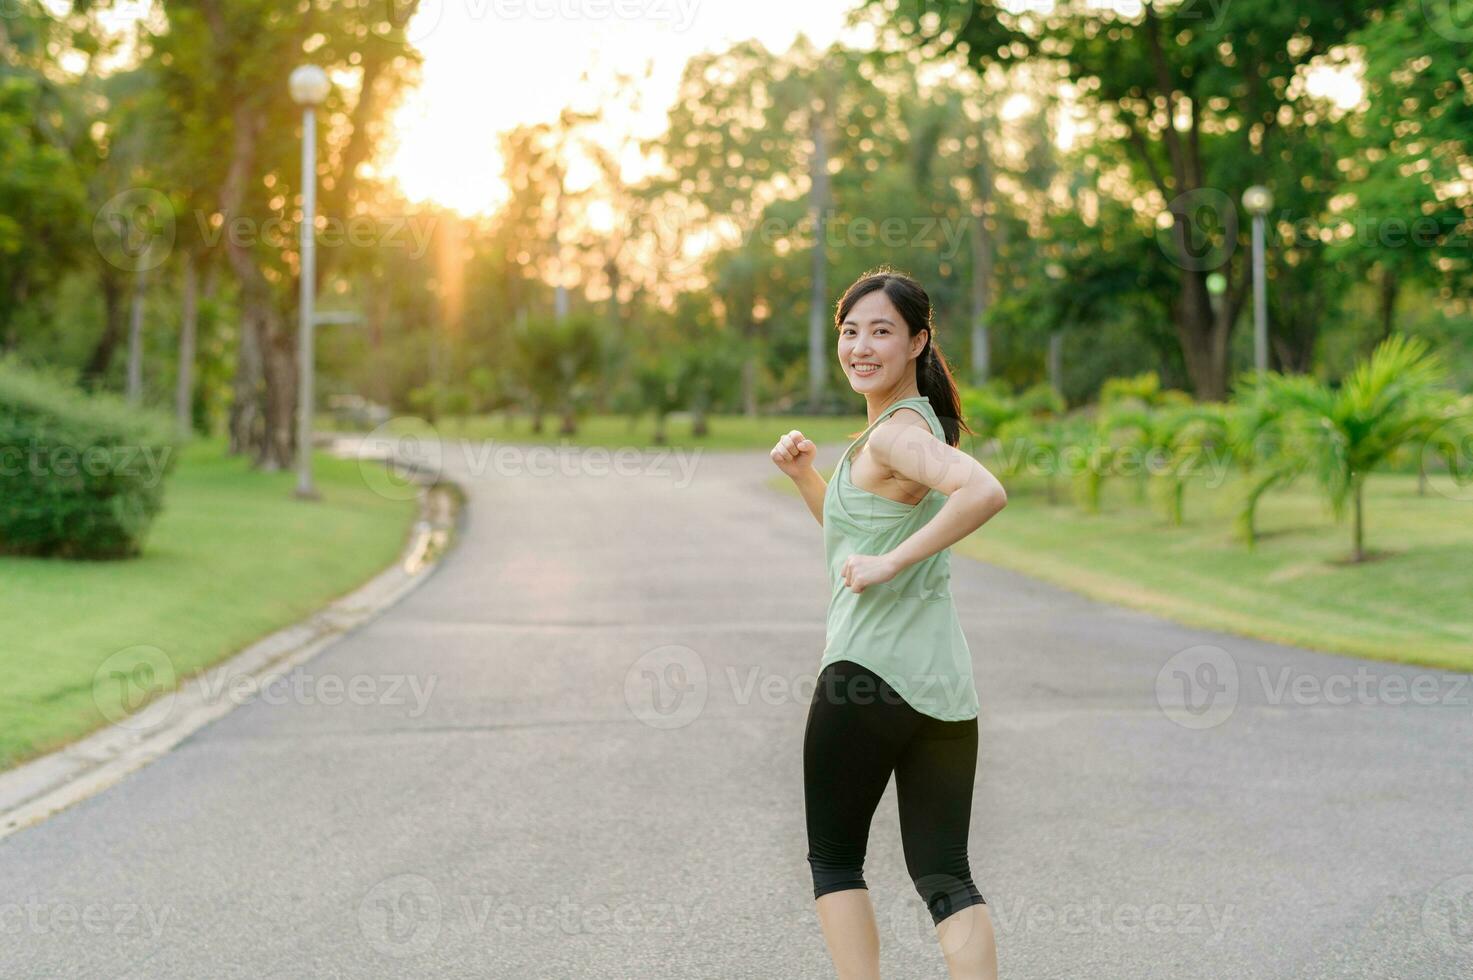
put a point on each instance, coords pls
(1258, 199)
(309, 85)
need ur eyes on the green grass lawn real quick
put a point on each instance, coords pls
(232, 557)
(613, 431)
(1412, 603)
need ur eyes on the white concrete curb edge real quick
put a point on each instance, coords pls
(36, 789)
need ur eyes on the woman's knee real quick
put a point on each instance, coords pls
(835, 866)
(947, 892)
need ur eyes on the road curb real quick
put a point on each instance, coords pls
(36, 789)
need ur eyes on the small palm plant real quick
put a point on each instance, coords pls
(1032, 446)
(560, 364)
(1130, 406)
(1194, 438)
(1393, 398)
(1450, 447)
(987, 408)
(1171, 441)
(1253, 433)
(658, 388)
(707, 368)
(1089, 454)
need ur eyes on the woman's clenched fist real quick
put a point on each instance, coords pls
(794, 453)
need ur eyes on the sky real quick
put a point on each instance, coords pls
(489, 65)
(492, 64)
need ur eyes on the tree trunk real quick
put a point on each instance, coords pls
(1390, 287)
(982, 270)
(188, 336)
(699, 426)
(18, 288)
(1056, 361)
(135, 340)
(246, 417)
(1360, 551)
(265, 353)
(616, 316)
(112, 331)
(1203, 336)
(749, 380)
(277, 451)
(818, 173)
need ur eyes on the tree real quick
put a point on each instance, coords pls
(1170, 440)
(1393, 398)
(1194, 98)
(224, 67)
(42, 196)
(1408, 153)
(1252, 431)
(561, 364)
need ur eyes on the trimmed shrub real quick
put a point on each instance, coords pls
(81, 476)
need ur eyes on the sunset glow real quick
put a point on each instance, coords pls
(485, 72)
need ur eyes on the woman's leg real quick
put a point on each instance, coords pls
(933, 785)
(856, 727)
(968, 944)
(849, 932)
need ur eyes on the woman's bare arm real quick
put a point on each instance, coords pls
(794, 455)
(974, 495)
(812, 487)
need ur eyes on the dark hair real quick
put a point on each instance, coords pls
(933, 376)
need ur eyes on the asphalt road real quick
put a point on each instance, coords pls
(575, 752)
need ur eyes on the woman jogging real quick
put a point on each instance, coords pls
(894, 691)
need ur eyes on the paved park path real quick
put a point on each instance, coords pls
(575, 752)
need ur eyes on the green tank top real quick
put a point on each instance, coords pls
(906, 630)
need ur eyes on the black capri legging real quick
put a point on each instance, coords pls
(860, 730)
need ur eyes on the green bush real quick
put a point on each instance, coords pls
(80, 476)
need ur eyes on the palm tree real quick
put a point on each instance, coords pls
(658, 387)
(1177, 436)
(559, 366)
(1252, 430)
(1029, 445)
(709, 369)
(1393, 398)
(1089, 454)
(1453, 444)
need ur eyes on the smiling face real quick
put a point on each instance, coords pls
(875, 347)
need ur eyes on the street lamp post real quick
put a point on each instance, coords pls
(1258, 200)
(1216, 286)
(309, 87)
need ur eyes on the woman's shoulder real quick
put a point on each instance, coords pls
(914, 412)
(905, 417)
